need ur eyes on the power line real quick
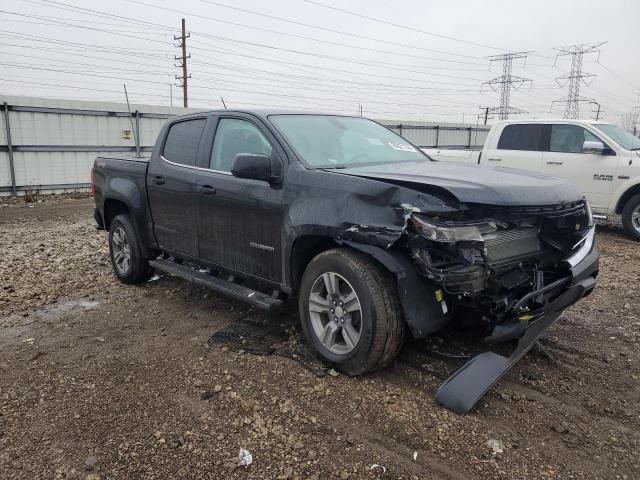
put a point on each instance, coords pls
(305, 37)
(339, 32)
(506, 82)
(405, 27)
(576, 77)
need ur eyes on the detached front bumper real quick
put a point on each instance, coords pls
(462, 390)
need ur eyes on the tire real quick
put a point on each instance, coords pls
(631, 217)
(124, 242)
(378, 323)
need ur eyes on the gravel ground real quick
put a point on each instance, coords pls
(100, 380)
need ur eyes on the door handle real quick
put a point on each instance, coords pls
(206, 189)
(554, 162)
(494, 159)
(158, 180)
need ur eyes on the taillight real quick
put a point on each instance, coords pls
(93, 186)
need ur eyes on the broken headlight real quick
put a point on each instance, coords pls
(455, 231)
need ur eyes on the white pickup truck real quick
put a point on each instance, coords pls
(602, 159)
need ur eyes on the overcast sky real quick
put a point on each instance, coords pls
(409, 60)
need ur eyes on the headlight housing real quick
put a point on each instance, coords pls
(453, 232)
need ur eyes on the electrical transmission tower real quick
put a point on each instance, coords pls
(575, 78)
(182, 59)
(506, 82)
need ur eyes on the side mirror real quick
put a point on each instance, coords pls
(255, 166)
(596, 148)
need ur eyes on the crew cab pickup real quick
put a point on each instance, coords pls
(602, 159)
(374, 239)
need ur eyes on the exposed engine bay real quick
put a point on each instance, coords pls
(499, 263)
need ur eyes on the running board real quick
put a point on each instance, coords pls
(233, 290)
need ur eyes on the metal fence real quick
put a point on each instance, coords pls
(442, 136)
(49, 145)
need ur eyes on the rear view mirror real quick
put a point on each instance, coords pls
(593, 147)
(254, 166)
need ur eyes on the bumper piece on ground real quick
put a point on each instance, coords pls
(462, 390)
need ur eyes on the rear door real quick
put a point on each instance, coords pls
(519, 146)
(171, 179)
(594, 174)
(239, 220)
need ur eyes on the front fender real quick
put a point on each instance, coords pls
(421, 307)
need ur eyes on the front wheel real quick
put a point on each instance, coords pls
(631, 217)
(350, 311)
(126, 252)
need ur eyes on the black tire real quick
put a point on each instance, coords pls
(138, 269)
(630, 227)
(382, 328)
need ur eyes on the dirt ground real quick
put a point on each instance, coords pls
(104, 381)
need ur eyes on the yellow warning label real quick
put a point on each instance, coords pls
(439, 295)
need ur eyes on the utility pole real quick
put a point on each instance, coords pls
(576, 77)
(597, 111)
(486, 114)
(182, 59)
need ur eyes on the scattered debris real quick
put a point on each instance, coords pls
(496, 446)
(245, 458)
(375, 468)
(250, 335)
(90, 462)
(415, 456)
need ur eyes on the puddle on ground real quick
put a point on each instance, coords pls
(49, 313)
(256, 336)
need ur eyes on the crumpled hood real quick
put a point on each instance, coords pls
(475, 184)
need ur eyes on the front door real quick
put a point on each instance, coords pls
(239, 220)
(171, 181)
(594, 174)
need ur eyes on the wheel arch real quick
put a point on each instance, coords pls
(112, 208)
(626, 196)
(421, 310)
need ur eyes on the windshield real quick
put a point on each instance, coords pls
(620, 136)
(324, 141)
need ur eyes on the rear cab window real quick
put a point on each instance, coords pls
(183, 141)
(528, 137)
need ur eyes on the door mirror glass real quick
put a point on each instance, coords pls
(254, 166)
(591, 146)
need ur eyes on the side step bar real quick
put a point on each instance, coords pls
(239, 292)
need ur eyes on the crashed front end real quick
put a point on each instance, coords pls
(510, 269)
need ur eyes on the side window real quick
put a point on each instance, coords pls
(570, 138)
(235, 136)
(567, 138)
(522, 137)
(183, 141)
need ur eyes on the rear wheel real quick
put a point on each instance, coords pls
(350, 311)
(127, 258)
(631, 217)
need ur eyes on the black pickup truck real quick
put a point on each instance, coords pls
(374, 239)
